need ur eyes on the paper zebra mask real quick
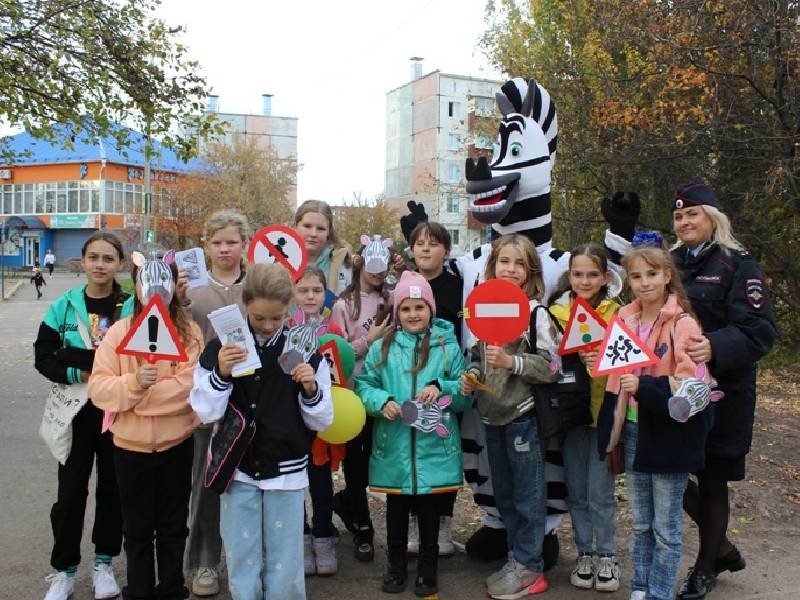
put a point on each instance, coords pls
(300, 344)
(426, 417)
(154, 275)
(692, 394)
(376, 253)
(512, 193)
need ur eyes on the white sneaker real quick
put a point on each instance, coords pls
(413, 536)
(309, 562)
(582, 575)
(103, 583)
(607, 576)
(497, 575)
(61, 586)
(325, 556)
(638, 595)
(446, 547)
(205, 582)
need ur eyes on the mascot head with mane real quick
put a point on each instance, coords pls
(512, 193)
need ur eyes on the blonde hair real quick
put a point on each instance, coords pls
(722, 234)
(226, 218)
(660, 258)
(323, 208)
(267, 281)
(534, 286)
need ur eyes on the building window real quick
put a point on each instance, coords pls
(453, 173)
(41, 207)
(454, 236)
(454, 110)
(455, 142)
(452, 204)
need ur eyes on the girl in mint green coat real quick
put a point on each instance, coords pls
(410, 383)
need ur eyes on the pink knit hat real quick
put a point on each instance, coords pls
(413, 285)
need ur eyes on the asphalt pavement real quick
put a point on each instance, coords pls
(28, 488)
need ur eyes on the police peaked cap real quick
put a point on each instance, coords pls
(693, 194)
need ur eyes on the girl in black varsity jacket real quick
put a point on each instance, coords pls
(260, 449)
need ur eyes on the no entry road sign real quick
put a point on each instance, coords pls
(497, 312)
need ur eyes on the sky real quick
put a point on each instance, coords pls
(330, 64)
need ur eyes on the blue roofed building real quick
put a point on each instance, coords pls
(54, 197)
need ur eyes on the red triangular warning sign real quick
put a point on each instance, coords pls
(621, 351)
(153, 335)
(330, 352)
(585, 328)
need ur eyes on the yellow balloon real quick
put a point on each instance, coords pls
(349, 417)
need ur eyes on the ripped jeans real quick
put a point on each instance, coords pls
(516, 461)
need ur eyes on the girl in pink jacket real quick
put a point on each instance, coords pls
(660, 451)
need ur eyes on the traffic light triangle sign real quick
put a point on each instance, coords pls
(621, 351)
(330, 352)
(153, 336)
(585, 328)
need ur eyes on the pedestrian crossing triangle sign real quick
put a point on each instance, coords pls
(153, 336)
(621, 351)
(585, 328)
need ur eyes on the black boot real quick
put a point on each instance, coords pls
(394, 581)
(733, 561)
(697, 585)
(363, 543)
(427, 567)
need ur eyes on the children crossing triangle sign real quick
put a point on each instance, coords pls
(621, 351)
(153, 335)
(585, 328)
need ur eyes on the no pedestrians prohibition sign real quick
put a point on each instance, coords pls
(277, 243)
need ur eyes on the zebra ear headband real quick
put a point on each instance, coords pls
(376, 253)
(154, 275)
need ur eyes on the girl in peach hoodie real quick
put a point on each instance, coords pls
(153, 447)
(660, 451)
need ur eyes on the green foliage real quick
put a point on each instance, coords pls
(85, 65)
(651, 94)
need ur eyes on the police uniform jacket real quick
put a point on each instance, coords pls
(729, 296)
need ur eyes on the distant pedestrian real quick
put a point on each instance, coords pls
(37, 279)
(50, 261)
(64, 353)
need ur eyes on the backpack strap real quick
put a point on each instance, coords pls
(532, 327)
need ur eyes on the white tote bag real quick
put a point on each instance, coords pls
(60, 408)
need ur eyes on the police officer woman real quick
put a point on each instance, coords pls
(727, 291)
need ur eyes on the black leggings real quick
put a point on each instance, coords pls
(398, 509)
(356, 474)
(706, 502)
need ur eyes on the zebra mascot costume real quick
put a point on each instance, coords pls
(512, 195)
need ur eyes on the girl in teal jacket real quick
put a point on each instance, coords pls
(64, 353)
(410, 382)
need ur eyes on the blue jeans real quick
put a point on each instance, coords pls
(657, 539)
(516, 461)
(590, 488)
(262, 533)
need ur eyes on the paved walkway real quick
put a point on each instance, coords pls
(28, 487)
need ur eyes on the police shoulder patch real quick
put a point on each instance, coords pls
(754, 292)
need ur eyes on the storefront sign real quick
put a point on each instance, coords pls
(73, 222)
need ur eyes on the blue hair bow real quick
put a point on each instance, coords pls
(647, 238)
